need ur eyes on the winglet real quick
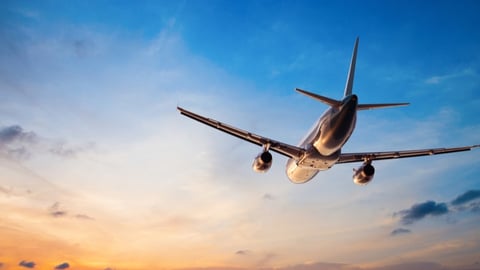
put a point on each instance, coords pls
(351, 71)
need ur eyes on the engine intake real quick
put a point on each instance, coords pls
(262, 162)
(364, 174)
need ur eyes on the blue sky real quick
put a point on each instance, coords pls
(98, 170)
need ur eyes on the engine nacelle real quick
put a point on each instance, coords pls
(262, 162)
(364, 174)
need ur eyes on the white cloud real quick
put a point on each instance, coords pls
(468, 72)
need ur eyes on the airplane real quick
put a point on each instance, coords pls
(322, 147)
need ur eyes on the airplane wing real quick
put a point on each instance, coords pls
(278, 147)
(357, 157)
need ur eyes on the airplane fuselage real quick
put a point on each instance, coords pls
(324, 141)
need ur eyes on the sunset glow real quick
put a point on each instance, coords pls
(99, 171)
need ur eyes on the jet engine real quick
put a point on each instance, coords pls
(363, 174)
(262, 162)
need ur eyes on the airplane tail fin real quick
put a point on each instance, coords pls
(348, 90)
(351, 71)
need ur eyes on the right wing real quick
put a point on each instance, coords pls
(279, 147)
(357, 157)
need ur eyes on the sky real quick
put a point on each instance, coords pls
(98, 170)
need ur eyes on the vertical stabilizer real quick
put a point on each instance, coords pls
(351, 71)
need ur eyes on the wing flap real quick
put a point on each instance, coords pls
(358, 157)
(276, 146)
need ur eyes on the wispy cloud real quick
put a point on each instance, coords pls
(83, 216)
(16, 143)
(442, 78)
(321, 265)
(400, 231)
(266, 259)
(15, 133)
(5, 190)
(55, 211)
(339, 266)
(242, 252)
(268, 197)
(466, 197)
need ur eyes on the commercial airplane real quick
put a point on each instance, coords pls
(322, 147)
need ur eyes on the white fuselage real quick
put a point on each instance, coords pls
(324, 141)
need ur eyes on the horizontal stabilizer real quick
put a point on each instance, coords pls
(379, 106)
(326, 100)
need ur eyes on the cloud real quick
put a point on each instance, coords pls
(474, 207)
(60, 149)
(463, 202)
(268, 196)
(17, 144)
(442, 78)
(412, 266)
(400, 231)
(466, 197)
(320, 265)
(421, 210)
(58, 213)
(266, 259)
(339, 266)
(242, 252)
(83, 216)
(14, 142)
(55, 211)
(27, 264)
(83, 47)
(15, 133)
(5, 190)
(64, 265)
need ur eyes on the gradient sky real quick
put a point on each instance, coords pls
(99, 171)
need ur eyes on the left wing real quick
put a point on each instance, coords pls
(279, 147)
(357, 157)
